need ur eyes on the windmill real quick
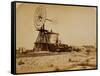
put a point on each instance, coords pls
(43, 39)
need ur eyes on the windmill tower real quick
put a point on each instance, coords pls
(43, 41)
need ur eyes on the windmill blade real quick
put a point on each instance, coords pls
(54, 21)
(49, 20)
(39, 17)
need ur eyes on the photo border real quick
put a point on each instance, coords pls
(13, 36)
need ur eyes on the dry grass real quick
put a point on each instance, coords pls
(63, 61)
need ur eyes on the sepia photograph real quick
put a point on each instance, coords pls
(55, 37)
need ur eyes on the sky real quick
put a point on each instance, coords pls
(76, 25)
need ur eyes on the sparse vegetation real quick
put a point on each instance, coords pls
(57, 69)
(56, 61)
(21, 62)
(51, 65)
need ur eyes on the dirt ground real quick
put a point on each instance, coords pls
(59, 62)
